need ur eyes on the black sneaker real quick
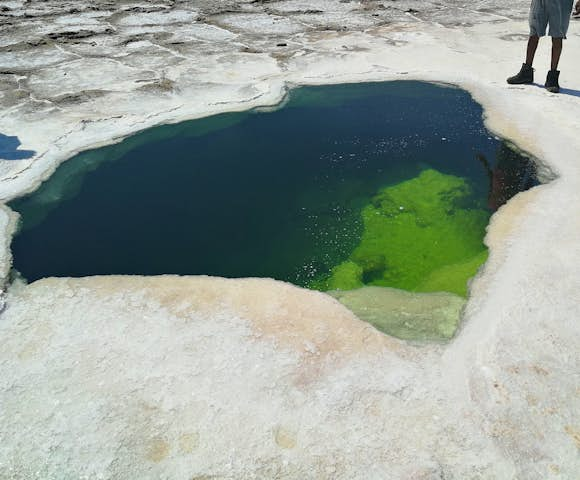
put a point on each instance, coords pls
(552, 84)
(526, 75)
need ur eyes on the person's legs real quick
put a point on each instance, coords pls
(556, 13)
(552, 80)
(532, 47)
(538, 22)
(526, 74)
(559, 18)
(556, 52)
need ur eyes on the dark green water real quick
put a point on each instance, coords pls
(289, 194)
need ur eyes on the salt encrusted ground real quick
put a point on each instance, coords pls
(200, 378)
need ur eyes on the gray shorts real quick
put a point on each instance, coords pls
(555, 13)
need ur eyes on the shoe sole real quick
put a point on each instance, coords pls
(520, 83)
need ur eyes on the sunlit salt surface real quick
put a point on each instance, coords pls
(383, 184)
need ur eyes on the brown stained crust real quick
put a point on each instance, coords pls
(308, 322)
(312, 324)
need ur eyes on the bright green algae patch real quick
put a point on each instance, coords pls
(421, 235)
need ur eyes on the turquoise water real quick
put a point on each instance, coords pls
(282, 194)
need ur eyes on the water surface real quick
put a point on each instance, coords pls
(288, 194)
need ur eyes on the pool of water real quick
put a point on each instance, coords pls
(387, 184)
